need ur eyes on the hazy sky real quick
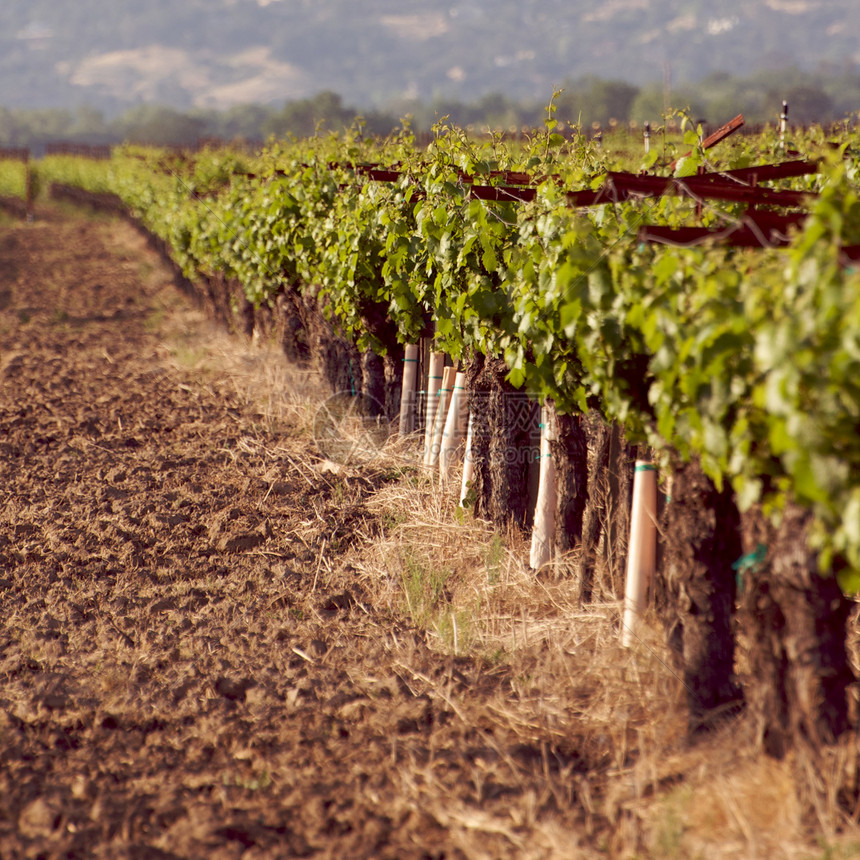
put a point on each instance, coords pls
(214, 53)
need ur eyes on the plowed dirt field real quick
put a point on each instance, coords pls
(187, 667)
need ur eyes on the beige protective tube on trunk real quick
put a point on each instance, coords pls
(448, 377)
(408, 391)
(452, 435)
(434, 383)
(544, 522)
(468, 462)
(642, 550)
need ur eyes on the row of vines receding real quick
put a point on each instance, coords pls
(738, 366)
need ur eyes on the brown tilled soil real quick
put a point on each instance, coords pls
(187, 667)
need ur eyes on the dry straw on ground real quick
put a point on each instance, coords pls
(220, 640)
(648, 791)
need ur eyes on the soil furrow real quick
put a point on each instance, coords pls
(177, 678)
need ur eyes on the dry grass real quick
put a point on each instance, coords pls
(526, 731)
(569, 685)
(286, 396)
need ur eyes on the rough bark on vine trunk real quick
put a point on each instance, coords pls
(621, 463)
(393, 361)
(291, 327)
(478, 392)
(797, 622)
(596, 504)
(701, 531)
(225, 298)
(338, 361)
(373, 383)
(502, 438)
(569, 448)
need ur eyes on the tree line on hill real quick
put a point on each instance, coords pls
(590, 103)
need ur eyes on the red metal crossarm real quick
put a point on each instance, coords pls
(13, 154)
(774, 224)
(379, 174)
(763, 172)
(685, 237)
(603, 195)
(756, 229)
(754, 196)
(736, 237)
(719, 135)
(729, 186)
(737, 185)
(624, 186)
(80, 150)
(391, 173)
(246, 175)
(508, 177)
(723, 132)
(502, 193)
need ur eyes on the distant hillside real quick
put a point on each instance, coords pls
(215, 53)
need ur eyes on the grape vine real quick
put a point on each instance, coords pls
(746, 358)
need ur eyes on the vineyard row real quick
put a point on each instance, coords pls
(739, 366)
(746, 359)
